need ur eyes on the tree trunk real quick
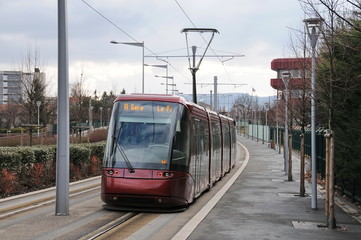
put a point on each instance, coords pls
(327, 186)
(332, 219)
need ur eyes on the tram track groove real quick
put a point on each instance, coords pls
(110, 226)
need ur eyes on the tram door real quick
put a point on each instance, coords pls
(200, 156)
(197, 156)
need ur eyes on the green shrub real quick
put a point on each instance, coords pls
(13, 130)
(44, 154)
(97, 149)
(79, 154)
(27, 156)
(24, 169)
(9, 160)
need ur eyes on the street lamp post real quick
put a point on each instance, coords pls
(160, 66)
(101, 116)
(90, 117)
(313, 27)
(108, 116)
(286, 78)
(38, 103)
(166, 85)
(277, 140)
(170, 84)
(267, 132)
(137, 44)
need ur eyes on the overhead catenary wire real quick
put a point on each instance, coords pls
(153, 53)
(219, 59)
(131, 37)
(108, 20)
(192, 23)
(185, 13)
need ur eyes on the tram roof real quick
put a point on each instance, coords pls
(165, 98)
(153, 97)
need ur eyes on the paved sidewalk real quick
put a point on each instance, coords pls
(262, 204)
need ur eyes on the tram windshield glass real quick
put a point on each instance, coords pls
(141, 135)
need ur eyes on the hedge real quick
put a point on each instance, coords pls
(24, 169)
(13, 130)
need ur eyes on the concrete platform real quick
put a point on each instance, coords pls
(262, 204)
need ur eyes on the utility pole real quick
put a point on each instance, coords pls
(62, 153)
(215, 90)
(215, 84)
(194, 70)
(90, 116)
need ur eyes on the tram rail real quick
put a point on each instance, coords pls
(99, 233)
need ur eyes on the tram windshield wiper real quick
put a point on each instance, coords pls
(121, 150)
(126, 160)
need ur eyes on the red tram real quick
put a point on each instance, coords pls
(163, 151)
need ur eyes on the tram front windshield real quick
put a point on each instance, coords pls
(141, 134)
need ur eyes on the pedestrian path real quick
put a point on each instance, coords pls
(262, 204)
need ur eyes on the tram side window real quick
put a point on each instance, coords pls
(226, 137)
(233, 138)
(216, 137)
(202, 138)
(180, 149)
(205, 136)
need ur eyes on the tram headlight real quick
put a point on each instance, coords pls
(113, 172)
(165, 174)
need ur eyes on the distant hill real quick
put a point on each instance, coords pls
(226, 100)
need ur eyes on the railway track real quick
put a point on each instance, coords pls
(104, 231)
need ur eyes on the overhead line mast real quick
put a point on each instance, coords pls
(192, 67)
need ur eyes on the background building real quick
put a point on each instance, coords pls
(299, 69)
(10, 86)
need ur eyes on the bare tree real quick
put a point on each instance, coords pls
(10, 115)
(336, 82)
(33, 90)
(244, 105)
(79, 101)
(300, 95)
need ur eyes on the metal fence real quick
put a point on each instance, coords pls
(81, 126)
(351, 188)
(296, 145)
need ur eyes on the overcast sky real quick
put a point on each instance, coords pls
(258, 29)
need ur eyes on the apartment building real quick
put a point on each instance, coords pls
(10, 86)
(298, 68)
